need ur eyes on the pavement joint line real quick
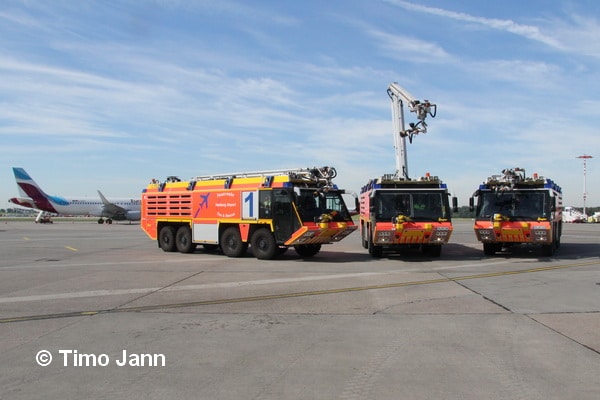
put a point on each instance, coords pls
(290, 295)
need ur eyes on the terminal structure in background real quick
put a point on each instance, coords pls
(397, 212)
(514, 209)
(268, 210)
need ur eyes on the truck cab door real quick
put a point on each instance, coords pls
(285, 219)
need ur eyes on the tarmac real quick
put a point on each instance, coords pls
(100, 312)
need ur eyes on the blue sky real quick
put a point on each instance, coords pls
(110, 94)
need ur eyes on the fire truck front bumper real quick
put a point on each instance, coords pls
(412, 234)
(321, 233)
(523, 232)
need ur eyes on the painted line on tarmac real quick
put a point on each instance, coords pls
(289, 295)
(101, 264)
(220, 285)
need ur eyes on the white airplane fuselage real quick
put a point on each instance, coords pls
(32, 196)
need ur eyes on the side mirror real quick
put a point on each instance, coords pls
(471, 204)
(455, 204)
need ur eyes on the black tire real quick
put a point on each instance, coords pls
(307, 250)
(263, 245)
(231, 243)
(490, 249)
(548, 250)
(282, 249)
(166, 238)
(183, 240)
(374, 250)
(363, 239)
(432, 250)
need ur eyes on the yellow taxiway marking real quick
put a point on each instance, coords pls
(71, 248)
(291, 295)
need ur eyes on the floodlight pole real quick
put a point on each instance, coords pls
(584, 157)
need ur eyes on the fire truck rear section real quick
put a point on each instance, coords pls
(269, 211)
(514, 209)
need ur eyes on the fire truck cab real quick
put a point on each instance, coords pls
(268, 210)
(514, 209)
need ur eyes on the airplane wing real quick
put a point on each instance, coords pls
(111, 210)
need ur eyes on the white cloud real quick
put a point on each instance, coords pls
(528, 31)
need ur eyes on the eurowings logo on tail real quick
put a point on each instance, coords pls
(32, 196)
(28, 188)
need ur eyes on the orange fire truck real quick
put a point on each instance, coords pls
(397, 212)
(514, 209)
(268, 210)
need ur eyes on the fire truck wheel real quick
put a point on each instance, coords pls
(374, 250)
(432, 250)
(166, 238)
(282, 249)
(490, 249)
(307, 250)
(363, 238)
(263, 244)
(231, 243)
(548, 249)
(183, 240)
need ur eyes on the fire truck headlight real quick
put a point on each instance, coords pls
(384, 236)
(485, 235)
(441, 235)
(540, 234)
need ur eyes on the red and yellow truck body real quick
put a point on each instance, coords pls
(270, 211)
(513, 209)
(397, 214)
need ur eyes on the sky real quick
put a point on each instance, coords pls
(107, 95)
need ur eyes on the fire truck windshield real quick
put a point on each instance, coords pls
(312, 204)
(419, 206)
(518, 205)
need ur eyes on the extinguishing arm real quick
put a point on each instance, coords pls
(399, 97)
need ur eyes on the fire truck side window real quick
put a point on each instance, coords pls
(265, 198)
(333, 201)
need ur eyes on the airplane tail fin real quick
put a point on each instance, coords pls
(28, 188)
(103, 199)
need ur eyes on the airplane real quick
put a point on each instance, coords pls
(32, 196)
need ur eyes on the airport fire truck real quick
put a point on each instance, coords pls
(514, 209)
(268, 210)
(397, 212)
